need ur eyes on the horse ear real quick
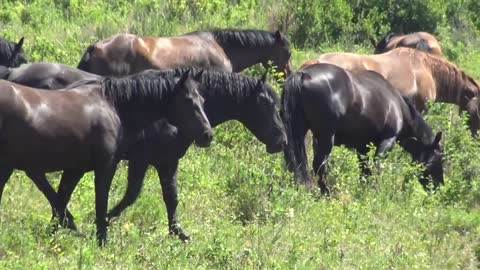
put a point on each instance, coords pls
(184, 78)
(437, 139)
(305, 76)
(198, 76)
(278, 37)
(19, 44)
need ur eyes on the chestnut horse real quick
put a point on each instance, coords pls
(420, 40)
(417, 75)
(223, 50)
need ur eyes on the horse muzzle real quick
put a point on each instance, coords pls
(204, 140)
(277, 147)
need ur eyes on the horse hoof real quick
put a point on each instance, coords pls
(183, 237)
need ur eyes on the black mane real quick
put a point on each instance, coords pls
(219, 82)
(147, 90)
(235, 38)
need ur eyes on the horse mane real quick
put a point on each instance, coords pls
(5, 72)
(219, 82)
(449, 79)
(249, 38)
(148, 90)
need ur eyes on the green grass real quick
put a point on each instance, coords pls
(236, 201)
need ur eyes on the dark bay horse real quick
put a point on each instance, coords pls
(422, 41)
(227, 97)
(417, 75)
(46, 75)
(221, 49)
(11, 53)
(352, 109)
(90, 126)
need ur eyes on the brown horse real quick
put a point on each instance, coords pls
(420, 40)
(224, 50)
(416, 75)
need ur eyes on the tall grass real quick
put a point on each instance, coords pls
(237, 202)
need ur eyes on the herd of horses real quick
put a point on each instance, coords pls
(147, 99)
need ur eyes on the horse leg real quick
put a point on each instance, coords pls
(103, 181)
(168, 180)
(363, 162)
(384, 146)
(68, 182)
(323, 148)
(137, 167)
(5, 174)
(44, 186)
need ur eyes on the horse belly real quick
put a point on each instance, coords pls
(24, 149)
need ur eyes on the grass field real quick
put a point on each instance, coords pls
(236, 201)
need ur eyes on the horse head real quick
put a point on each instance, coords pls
(281, 54)
(429, 154)
(263, 118)
(188, 99)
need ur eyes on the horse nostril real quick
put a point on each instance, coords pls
(207, 136)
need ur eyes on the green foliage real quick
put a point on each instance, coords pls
(238, 203)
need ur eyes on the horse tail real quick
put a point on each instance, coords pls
(295, 125)
(4, 72)
(83, 65)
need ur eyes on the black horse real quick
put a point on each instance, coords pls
(46, 75)
(90, 127)
(228, 96)
(352, 109)
(11, 53)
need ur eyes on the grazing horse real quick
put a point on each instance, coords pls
(46, 75)
(352, 109)
(420, 40)
(224, 50)
(417, 75)
(227, 97)
(90, 126)
(11, 53)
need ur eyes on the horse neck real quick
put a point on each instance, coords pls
(221, 106)
(242, 58)
(414, 125)
(450, 83)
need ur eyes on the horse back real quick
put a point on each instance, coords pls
(187, 50)
(422, 41)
